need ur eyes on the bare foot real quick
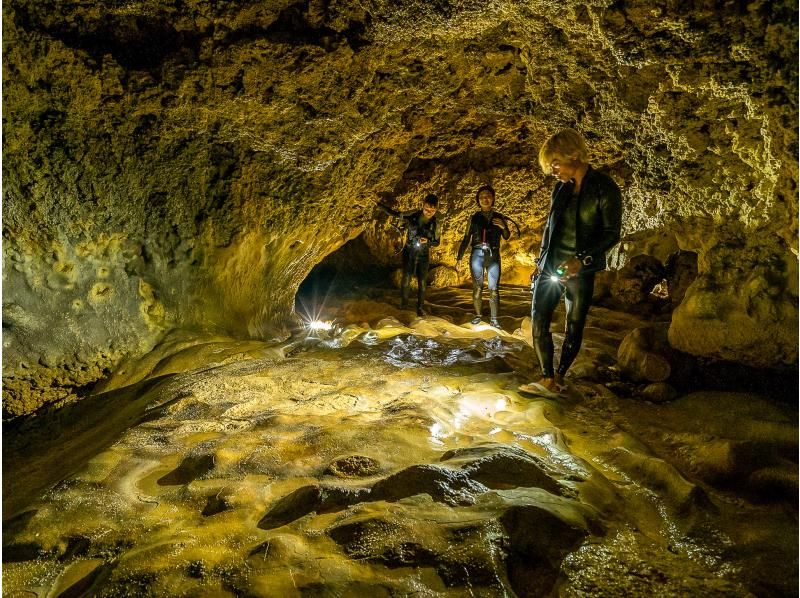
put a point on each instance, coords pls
(537, 388)
(548, 383)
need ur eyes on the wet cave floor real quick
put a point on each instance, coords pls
(394, 456)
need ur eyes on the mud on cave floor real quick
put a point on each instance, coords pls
(393, 456)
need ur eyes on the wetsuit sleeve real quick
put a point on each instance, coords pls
(396, 213)
(389, 211)
(611, 215)
(546, 229)
(437, 234)
(505, 232)
(465, 241)
(544, 236)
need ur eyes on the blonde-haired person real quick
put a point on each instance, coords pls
(584, 223)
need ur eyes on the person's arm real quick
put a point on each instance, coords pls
(437, 234)
(465, 241)
(545, 234)
(505, 232)
(611, 216)
(546, 229)
(395, 213)
(387, 210)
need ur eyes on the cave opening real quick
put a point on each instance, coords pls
(351, 271)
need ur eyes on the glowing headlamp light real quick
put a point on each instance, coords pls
(557, 276)
(320, 325)
(417, 244)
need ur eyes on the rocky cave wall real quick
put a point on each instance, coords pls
(188, 163)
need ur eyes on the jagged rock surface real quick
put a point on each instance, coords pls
(188, 164)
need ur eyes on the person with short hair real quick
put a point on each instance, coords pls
(585, 221)
(486, 228)
(423, 232)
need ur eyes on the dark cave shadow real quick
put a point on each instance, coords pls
(42, 449)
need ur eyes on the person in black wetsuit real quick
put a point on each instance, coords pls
(584, 223)
(483, 234)
(424, 232)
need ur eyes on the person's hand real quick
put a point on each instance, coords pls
(498, 222)
(423, 240)
(571, 268)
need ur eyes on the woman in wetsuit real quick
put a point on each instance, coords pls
(584, 223)
(483, 234)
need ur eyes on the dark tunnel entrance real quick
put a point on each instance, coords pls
(351, 270)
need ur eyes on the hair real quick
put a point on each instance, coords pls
(567, 143)
(488, 188)
(431, 200)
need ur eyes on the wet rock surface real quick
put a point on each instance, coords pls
(639, 358)
(635, 281)
(332, 467)
(501, 467)
(353, 466)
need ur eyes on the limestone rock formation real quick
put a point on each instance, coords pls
(637, 279)
(644, 355)
(187, 164)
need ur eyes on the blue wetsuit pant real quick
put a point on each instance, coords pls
(488, 260)
(481, 260)
(577, 292)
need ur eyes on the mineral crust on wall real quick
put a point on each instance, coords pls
(187, 164)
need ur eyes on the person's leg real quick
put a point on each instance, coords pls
(578, 300)
(405, 283)
(546, 294)
(476, 267)
(493, 273)
(422, 280)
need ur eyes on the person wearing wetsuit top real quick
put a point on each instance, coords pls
(585, 221)
(424, 232)
(483, 234)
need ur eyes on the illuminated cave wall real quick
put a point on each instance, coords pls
(189, 163)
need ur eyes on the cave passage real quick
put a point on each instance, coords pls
(209, 388)
(393, 453)
(350, 270)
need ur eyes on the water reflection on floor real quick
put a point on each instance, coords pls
(393, 455)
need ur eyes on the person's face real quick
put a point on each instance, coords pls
(564, 168)
(428, 210)
(485, 200)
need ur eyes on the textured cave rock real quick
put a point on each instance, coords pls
(187, 164)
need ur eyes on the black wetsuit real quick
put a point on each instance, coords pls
(583, 226)
(484, 237)
(416, 255)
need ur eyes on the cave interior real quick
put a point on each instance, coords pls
(210, 387)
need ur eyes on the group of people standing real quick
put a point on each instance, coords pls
(583, 224)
